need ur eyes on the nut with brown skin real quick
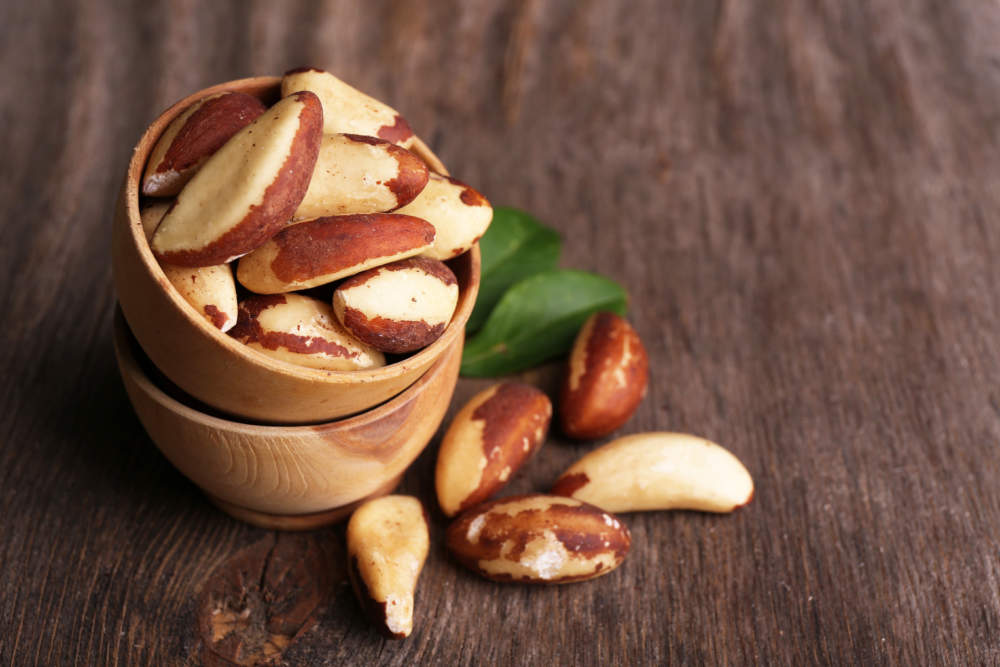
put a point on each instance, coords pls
(387, 544)
(193, 136)
(606, 379)
(487, 442)
(320, 251)
(460, 215)
(246, 192)
(301, 330)
(210, 290)
(359, 174)
(538, 539)
(658, 471)
(348, 110)
(398, 307)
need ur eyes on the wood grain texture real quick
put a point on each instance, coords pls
(801, 199)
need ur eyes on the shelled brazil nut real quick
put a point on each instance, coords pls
(323, 250)
(301, 330)
(359, 174)
(398, 307)
(489, 439)
(538, 539)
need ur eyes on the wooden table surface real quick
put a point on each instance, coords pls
(802, 200)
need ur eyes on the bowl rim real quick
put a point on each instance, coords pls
(125, 345)
(133, 179)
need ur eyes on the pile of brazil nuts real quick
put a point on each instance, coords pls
(316, 193)
(569, 534)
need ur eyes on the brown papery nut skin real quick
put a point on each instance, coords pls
(538, 539)
(606, 378)
(194, 136)
(326, 249)
(487, 442)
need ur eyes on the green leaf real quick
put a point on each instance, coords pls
(514, 247)
(537, 319)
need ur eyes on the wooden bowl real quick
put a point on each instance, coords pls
(290, 477)
(218, 370)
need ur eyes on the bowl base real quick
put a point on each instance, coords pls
(299, 521)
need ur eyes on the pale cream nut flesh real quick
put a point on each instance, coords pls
(210, 290)
(398, 307)
(346, 109)
(658, 471)
(359, 174)
(460, 215)
(387, 544)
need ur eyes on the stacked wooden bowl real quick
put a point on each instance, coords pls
(269, 448)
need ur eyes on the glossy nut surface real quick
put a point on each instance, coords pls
(387, 544)
(606, 379)
(658, 471)
(489, 439)
(538, 539)
(398, 307)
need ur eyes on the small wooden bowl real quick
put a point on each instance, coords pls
(291, 477)
(218, 370)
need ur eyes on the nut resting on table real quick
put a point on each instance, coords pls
(387, 544)
(489, 439)
(339, 232)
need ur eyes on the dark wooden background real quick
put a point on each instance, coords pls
(802, 199)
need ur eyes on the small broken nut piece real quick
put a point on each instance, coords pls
(210, 290)
(538, 539)
(658, 471)
(460, 215)
(387, 544)
(320, 251)
(247, 190)
(359, 174)
(488, 441)
(606, 379)
(398, 307)
(193, 136)
(301, 330)
(348, 110)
